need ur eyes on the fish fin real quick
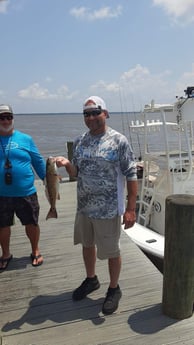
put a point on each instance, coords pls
(52, 213)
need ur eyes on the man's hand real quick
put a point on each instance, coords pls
(64, 162)
(129, 218)
(61, 161)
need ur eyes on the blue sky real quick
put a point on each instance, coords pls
(56, 53)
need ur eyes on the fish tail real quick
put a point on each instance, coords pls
(52, 213)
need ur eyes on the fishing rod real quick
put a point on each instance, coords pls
(121, 106)
(137, 133)
(127, 118)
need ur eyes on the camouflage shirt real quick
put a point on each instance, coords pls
(104, 162)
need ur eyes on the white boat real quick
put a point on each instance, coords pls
(167, 133)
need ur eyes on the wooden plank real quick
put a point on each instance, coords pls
(116, 329)
(36, 307)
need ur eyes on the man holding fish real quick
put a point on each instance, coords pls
(102, 161)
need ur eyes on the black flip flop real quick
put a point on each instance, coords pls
(6, 262)
(35, 257)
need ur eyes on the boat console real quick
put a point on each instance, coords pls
(166, 133)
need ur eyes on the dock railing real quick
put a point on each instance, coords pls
(70, 156)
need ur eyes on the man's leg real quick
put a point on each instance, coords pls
(5, 234)
(114, 293)
(91, 282)
(89, 256)
(33, 233)
(114, 265)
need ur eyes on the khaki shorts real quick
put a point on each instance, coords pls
(104, 233)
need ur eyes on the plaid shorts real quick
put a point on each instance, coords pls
(26, 209)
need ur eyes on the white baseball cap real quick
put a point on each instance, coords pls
(5, 109)
(96, 103)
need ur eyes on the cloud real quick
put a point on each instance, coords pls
(102, 85)
(63, 93)
(36, 92)
(185, 80)
(136, 73)
(3, 6)
(135, 79)
(102, 13)
(135, 87)
(177, 9)
(138, 84)
(141, 76)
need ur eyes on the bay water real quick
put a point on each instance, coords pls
(51, 132)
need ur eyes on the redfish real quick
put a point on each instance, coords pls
(52, 186)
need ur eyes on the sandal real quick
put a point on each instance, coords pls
(36, 257)
(5, 262)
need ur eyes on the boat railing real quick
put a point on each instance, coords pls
(168, 145)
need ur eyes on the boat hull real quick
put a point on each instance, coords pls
(149, 241)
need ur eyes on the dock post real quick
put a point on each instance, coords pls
(70, 156)
(178, 279)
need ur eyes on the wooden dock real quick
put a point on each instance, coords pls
(35, 302)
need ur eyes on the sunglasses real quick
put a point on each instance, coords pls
(94, 113)
(6, 117)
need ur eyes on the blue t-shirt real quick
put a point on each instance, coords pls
(24, 156)
(104, 162)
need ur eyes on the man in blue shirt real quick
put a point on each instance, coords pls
(18, 157)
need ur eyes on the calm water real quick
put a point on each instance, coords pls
(51, 132)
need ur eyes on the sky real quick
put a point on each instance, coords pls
(56, 53)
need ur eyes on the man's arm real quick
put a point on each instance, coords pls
(129, 216)
(64, 162)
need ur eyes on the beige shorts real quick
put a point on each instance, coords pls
(104, 233)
